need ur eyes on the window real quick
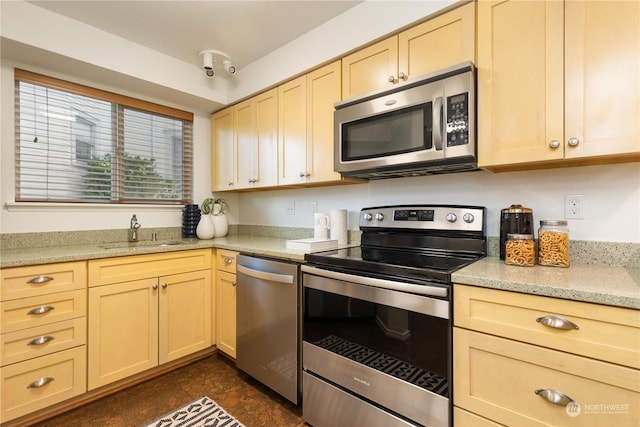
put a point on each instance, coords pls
(79, 144)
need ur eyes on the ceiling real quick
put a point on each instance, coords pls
(244, 30)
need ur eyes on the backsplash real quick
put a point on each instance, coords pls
(581, 251)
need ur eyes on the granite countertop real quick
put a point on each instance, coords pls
(257, 245)
(595, 283)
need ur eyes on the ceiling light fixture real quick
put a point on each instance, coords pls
(210, 57)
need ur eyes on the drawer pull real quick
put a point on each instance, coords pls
(41, 340)
(39, 280)
(41, 310)
(41, 382)
(555, 397)
(557, 322)
(228, 260)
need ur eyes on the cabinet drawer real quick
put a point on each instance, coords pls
(65, 369)
(37, 311)
(606, 333)
(137, 267)
(34, 342)
(23, 282)
(497, 379)
(226, 260)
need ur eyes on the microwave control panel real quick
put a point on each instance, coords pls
(458, 119)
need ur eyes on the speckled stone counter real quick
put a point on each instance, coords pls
(258, 245)
(596, 283)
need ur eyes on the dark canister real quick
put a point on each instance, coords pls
(190, 218)
(515, 219)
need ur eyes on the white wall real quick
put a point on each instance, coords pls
(612, 192)
(612, 198)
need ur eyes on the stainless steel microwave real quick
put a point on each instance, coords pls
(425, 126)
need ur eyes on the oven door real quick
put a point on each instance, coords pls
(382, 349)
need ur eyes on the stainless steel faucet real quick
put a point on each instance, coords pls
(133, 230)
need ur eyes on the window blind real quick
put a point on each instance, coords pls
(79, 144)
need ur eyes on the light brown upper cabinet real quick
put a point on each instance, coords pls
(222, 151)
(256, 141)
(441, 42)
(305, 128)
(558, 83)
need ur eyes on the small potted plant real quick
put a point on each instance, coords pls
(217, 208)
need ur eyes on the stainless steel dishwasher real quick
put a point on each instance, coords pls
(268, 323)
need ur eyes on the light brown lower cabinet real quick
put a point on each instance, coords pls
(226, 301)
(43, 333)
(512, 365)
(139, 324)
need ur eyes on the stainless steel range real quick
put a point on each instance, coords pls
(377, 317)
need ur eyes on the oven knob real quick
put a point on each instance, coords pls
(367, 216)
(451, 217)
(468, 218)
(379, 217)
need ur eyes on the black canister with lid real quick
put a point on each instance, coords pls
(515, 219)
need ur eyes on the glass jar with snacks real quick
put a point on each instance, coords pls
(553, 243)
(520, 249)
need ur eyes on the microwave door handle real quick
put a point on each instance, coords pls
(437, 127)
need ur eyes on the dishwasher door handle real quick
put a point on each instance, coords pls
(265, 275)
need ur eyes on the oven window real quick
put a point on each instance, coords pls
(397, 132)
(408, 345)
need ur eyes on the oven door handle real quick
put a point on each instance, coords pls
(434, 291)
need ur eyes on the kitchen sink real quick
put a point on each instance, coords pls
(137, 245)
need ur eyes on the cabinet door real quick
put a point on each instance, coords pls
(226, 312)
(267, 135)
(246, 141)
(222, 150)
(292, 131)
(441, 42)
(123, 330)
(520, 81)
(323, 90)
(184, 314)
(602, 78)
(371, 68)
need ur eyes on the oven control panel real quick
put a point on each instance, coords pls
(433, 217)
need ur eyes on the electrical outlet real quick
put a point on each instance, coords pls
(291, 207)
(574, 206)
(314, 207)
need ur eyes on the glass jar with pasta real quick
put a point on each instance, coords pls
(520, 249)
(553, 243)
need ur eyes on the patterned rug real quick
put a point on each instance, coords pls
(387, 364)
(202, 412)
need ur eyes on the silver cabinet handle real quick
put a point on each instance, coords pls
(154, 287)
(573, 142)
(554, 144)
(39, 280)
(233, 283)
(553, 396)
(40, 382)
(40, 310)
(228, 260)
(391, 79)
(402, 76)
(41, 340)
(557, 322)
(164, 286)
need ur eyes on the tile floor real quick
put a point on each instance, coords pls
(246, 399)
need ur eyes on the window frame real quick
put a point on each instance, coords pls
(121, 102)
